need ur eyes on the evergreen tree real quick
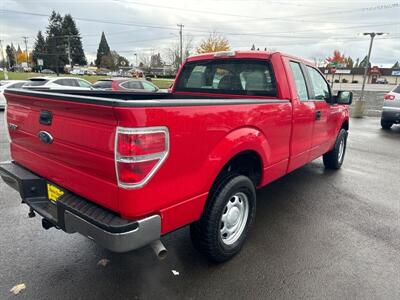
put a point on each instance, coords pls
(363, 63)
(396, 65)
(72, 35)
(19, 51)
(103, 50)
(10, 52)
(55, 55)
(39, 48)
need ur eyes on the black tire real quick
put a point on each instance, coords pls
(333, 159)
(385, 124)
(205, 233)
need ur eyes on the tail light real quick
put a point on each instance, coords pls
(139, 153)
(389, 97)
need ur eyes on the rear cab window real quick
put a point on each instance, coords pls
(396, 89)
(238, 77)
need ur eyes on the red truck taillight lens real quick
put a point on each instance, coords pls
(389, 97)
(139, 152)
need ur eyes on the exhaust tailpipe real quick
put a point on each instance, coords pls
(159, 249)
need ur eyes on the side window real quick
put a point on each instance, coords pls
(60, 82)
(83, 83)
(148, 86)
(299, 81)
(319, 85)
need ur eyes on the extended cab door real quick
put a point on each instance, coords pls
(321, 96)
(303, 115)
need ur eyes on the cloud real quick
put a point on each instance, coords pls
(305, 28)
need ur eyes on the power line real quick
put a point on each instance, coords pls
(289, 18)
(204, 31)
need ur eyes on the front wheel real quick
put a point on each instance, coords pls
(226, 220)
(334, 158)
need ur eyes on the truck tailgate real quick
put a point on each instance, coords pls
(75, 149)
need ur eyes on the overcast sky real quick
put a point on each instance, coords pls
(311, 29)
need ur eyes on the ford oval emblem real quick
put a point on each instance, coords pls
(45, 137)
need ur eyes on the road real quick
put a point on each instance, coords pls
(318, 235)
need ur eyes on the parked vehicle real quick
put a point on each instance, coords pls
(391, 108)
(4, 84)
(125, 169)
(58, 83)
(126, 84)
(47, 71)
(381, 80)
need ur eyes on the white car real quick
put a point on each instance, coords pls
(58, 83)
(6, 84)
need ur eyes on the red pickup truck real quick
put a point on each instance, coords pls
(124, 168)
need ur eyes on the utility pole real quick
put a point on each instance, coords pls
(4, 61)
(180, 44)
(359, 105)
(26, 48)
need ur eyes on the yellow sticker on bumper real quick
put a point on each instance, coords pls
(53, 192)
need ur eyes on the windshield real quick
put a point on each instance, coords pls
(242, 77)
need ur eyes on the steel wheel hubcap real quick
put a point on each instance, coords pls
(341, 150)
(234, 218)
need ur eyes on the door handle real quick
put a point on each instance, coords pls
(318, 115)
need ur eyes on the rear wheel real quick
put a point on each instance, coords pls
(334, 158)
(226, 220)
(385, 124)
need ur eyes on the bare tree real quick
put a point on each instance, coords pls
(172, 53)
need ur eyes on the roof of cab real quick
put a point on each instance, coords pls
(242, 54)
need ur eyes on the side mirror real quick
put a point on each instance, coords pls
(344, 97)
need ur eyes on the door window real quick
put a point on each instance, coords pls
(319, 85)
(299, 81)
(132, 85)
(148, 86)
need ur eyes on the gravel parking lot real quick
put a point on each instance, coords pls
(318, 235)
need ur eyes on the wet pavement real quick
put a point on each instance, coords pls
(318, 234)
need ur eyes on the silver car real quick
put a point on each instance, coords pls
(9, 84)
(391, 108)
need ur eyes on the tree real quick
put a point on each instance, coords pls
(173, 52)
(102, 50)
(336, 58)
(213, 43)
(363, 63)
(156, 61)
(39, 48)
(357, 63)
(349, 62)
(113, 61)
(396, 65)
(11, 55)
(72, 35)
(21, 58)
(55, 47)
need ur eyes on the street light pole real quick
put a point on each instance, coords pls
(359, 105)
